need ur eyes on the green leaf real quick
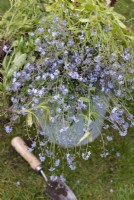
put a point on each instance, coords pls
(89, 6)
(130, 37)
(120, 23)
(86, 134)
(15, 43)
(5, 61)
(84, 20)
(17, 63)
(92, 89)
(48, 7)
(29, 119)
(109, 10)
(2, 71)
(118, 16)
(91, 138)
(84, 99)
(1, 87)
(71, 6)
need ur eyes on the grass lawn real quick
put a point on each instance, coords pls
(126, 7)
(98, 178)
(110, 178)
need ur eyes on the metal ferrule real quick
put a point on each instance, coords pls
(39, 169)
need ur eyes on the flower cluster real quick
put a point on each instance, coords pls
(66, 69)
(70, 161)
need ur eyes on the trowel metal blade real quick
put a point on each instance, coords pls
(58, 190)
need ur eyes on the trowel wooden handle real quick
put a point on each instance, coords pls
(21, 147)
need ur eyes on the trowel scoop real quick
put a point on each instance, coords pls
(56, 190)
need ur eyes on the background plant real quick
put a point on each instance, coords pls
(5, 5)
(20, 18)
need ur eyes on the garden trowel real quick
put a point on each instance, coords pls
(56, 190)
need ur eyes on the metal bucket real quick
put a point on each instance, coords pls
(71, 137)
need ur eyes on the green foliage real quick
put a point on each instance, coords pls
(20, 18)
(94, 16)
(4, 6)
(17, 63)
(126, 8)
(10, 65)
